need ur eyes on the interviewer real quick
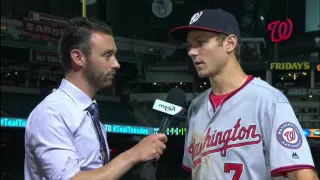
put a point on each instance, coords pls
(64, 138)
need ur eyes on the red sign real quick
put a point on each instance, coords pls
(44, 26)
(35, 16)
(318, 67)
(43, 30)
(280, 30)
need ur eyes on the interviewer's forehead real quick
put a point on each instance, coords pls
(101, 37)
(103, 41)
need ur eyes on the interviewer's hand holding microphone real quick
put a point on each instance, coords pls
(172, 107)
(152, 147)
(149, 148)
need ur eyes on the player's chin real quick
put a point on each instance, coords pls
(203, 73)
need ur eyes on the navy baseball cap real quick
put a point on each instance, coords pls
(214, 20)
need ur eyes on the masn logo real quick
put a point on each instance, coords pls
(167, 108)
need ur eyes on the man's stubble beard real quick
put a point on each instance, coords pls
(95, 77)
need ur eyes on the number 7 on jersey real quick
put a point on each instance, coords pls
(236, 167)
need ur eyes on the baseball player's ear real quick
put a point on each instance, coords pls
(232, 42)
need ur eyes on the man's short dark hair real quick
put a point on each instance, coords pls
(78, 36)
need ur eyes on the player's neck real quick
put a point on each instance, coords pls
(228, 80)
(80, 82)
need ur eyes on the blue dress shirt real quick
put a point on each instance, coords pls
(60, 140)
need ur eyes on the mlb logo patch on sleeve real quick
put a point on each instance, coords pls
(289, 136)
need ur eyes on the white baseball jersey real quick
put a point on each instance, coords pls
(253, 135)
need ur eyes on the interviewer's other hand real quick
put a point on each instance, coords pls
(149, 148)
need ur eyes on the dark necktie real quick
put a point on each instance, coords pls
(93, 110)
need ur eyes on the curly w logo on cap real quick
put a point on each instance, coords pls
(195, 17)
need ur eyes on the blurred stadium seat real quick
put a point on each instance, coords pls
(20, 105)
(114, 113)
(308, 113)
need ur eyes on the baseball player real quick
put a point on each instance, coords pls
(240, 128)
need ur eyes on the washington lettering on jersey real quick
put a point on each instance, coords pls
(221, 141)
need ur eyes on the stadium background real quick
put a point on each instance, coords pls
(151, 64)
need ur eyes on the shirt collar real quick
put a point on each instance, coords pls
(78, 96)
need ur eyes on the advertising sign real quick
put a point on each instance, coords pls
(136, 130)
(36, 16)
(44, 57)
(290, 66)
(43, 26)
(280, 30)
(303, 91)
(312, 133)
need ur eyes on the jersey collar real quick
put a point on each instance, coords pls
(210, 103)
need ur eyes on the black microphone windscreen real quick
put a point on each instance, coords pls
(177, 97)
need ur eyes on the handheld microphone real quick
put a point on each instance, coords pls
(172, 107)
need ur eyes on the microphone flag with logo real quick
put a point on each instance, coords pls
(172, 107)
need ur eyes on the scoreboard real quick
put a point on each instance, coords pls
(173, 131)
(135, 130)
